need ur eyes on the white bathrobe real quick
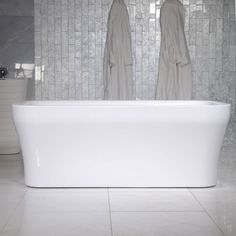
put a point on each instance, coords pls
(117, 62)
(174, 73)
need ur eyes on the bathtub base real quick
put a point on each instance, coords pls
(122, 156)
(125, 168)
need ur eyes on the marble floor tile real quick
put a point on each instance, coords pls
(12, 186)
(214, 200)
(163, 224)
(4, 219)
(221, 206)
(81, 200)
(226, 221)
(152, 200)
(8, 203)
(11, 167)
(27, 223)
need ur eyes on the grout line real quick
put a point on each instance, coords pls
(161, 211)
(207, 213)
(109, 205)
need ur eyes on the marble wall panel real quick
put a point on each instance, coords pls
(17, 50)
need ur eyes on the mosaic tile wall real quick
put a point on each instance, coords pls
(70, 37)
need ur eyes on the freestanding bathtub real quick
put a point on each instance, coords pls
(121, 143)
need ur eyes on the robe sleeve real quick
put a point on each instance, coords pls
(110, 40)
(172, 23)
(126, 32)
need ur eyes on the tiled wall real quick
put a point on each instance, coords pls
(17, 40)
(225, 80)
(70, 37)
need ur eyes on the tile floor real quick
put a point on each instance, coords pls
(117, 212)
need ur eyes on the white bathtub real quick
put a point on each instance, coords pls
(121, 143)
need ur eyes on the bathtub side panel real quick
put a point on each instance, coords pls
(120, 146)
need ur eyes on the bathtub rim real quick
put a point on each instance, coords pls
(117, 103)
